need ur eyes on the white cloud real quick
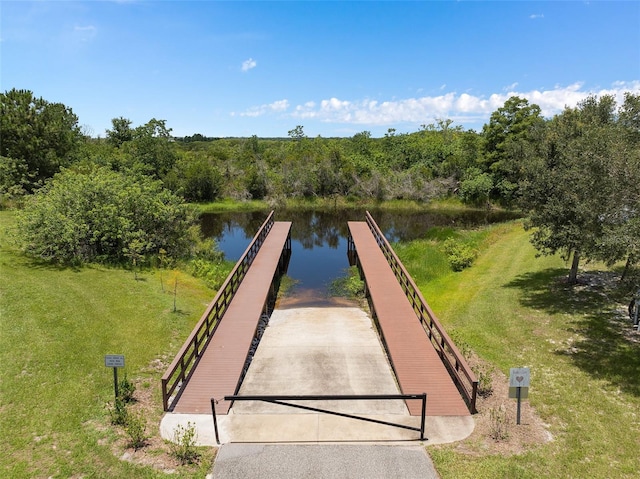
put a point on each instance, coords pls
(462, 108)
(85, 33)
(248, 65)
(535, 16)
(278, 106)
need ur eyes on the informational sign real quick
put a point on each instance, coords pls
(519, 386)
(114, 360)
(519, 377)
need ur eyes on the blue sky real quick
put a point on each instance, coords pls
(336, 68)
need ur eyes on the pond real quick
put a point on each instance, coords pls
(319, 238)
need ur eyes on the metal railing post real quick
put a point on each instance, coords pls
(215, 420)
(424, 414)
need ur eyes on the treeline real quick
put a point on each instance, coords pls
(576, 175)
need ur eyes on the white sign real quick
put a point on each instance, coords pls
(114, 360)
(519, 377)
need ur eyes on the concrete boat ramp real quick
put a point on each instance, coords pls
(330, 350)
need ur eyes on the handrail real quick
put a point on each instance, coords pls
(182, 366)
(450, 355)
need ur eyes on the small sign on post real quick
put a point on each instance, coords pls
(519, 386)
(114, 361)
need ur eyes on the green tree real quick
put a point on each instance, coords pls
(120, 133)
(621, 239)
(37, 138)
(508, 139)
(569, 190)
(151, 150)
(96, 214)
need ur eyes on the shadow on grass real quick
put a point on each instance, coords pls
(607, 347)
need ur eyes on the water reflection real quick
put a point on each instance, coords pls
(319, 238)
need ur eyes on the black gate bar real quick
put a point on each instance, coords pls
(371, 397)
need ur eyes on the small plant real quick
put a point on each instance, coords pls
(118, 412)
(460, 255)
(485, 381)
(126, 389)
(183, 446)
(498, 423)
(136, 429)
(349, 286)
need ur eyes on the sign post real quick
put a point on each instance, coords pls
(114, 361)
(519, 386)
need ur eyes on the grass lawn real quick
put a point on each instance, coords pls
(514, 310)
(56, 325)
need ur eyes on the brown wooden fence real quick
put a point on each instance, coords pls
(460, 371)
(182, 366)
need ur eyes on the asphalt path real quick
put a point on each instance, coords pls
(345, 461)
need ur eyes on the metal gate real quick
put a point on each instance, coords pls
(283, 400)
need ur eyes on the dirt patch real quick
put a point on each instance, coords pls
(496, 431)
(156, 451)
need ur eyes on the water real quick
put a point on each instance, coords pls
(319, 238)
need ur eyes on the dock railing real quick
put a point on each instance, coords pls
(183, 364)
(458, 367)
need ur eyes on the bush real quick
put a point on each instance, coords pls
(95, 214)
(213, 273)
(485, 380)
(118, 412)
(498, 423)
(460, 256)
(136, 429)
(126, 389)
(183, 446)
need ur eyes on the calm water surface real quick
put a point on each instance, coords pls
(319, 238)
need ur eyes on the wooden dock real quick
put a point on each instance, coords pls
(417, 365)
(220, 367)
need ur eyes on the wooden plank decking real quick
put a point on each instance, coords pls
(417, 366)
(220, 366)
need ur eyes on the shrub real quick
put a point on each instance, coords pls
(498, 423)
(95, 214)
(126, 389)
(118, 412)
(183, 446)
(213, 273)
(136, 429)
(460, 255)
(485, 381)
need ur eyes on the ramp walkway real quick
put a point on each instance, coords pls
(213, 365)
(419, 367)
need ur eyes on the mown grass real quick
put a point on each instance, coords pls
(56, 325)
(514, 309)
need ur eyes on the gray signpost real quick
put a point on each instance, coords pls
(519, 386)
(114, 361)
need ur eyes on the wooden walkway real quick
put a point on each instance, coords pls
(417, 365)
(220, 367)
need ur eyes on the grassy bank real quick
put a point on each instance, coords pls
(57, 325)
(515, 310)
(446, 204)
